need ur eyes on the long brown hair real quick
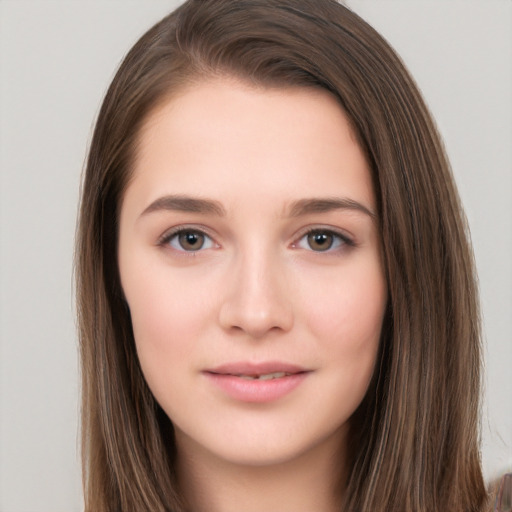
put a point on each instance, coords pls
(415, 443)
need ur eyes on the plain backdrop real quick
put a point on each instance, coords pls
(56, 60)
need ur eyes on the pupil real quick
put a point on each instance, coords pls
(320, 241)
(191, 241)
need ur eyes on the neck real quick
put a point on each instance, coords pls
(311, 481)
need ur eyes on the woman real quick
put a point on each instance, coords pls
(276, 294)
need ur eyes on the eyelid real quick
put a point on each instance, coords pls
(347, 241)
(165, 238)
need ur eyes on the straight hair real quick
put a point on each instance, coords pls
(414, 440)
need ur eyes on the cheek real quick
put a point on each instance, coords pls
(346, 316)
(167, 318)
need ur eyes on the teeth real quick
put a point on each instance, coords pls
(267, 376)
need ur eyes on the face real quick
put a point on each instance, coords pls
(250, 260)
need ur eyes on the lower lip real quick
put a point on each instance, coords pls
(255, 390)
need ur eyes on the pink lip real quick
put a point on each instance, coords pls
(246, 368)
(227, 378)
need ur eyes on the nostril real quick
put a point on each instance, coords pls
(256, 324)
(256, 300)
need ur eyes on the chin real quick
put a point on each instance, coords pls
(264, 448)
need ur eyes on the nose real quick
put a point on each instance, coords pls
(257, 299)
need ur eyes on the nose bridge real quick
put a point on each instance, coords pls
(257, 299)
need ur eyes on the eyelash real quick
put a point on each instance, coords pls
(339, 240)
(166, 239)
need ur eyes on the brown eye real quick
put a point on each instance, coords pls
(320, 240)
(188, 240)
(324, 240)
(191, 240)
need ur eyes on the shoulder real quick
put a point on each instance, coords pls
(501, 491)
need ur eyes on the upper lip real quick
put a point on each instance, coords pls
(248, 368)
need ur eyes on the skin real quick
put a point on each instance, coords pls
(254, 287)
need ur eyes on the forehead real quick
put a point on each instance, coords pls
(225, 135)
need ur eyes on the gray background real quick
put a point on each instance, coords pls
(56, 60)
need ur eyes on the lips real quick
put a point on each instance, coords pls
(262, 382)
(265, 376)
(257, 369)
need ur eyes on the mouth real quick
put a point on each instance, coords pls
(258, 371)
(263, 382)
(265, 376)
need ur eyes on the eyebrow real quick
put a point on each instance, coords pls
(323, 205)
(186, 204)
(298, 208)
